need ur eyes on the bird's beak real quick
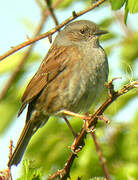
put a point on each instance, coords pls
(100, 32)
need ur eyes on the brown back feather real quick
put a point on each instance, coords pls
(55, 62)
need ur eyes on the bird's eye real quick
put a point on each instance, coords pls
(82, 31)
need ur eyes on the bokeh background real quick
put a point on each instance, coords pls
(48, 149)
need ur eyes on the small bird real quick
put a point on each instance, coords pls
(68, 80)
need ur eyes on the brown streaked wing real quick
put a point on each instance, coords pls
(55, 62)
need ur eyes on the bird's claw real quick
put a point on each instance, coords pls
(74, 148)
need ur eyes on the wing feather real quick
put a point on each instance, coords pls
(55, 62)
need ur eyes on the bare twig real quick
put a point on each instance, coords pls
(48, 3)
(79, 140)
(52, 12)
(23, 60)
(70, 127)
(5, 174)
(31, 41)
(101, 157)
(10, 148)
(10, 154)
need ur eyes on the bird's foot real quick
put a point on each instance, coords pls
(74, 148)
(89, 129)
(110, 87)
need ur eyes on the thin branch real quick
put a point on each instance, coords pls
(48, 3)
(10, 154)
(31, 41)
(101, 157)
(70, 127)
(51, 12)
(79, 141)
(28, 52)
(5, 174)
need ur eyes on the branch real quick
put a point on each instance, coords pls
(31, 41)
(5, 174)
(14, 74)
(79, 141)
(101, 157)
(48, 2)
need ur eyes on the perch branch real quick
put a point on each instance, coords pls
(100, 155)
(5, 174)
(31, 41)
(79, 141)
(51, 11)
(28, 52)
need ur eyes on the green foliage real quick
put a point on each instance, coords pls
(11, 102)
(30, 172)
(107, 22)
(9, 64)
(98, 178)
(131, 6)
(65, 3)
(121, 103)
(8, 108)
(131, 137)
(108, 37)
(49, 148)
(117, 4)
(129, 48)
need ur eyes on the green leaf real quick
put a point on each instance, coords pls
(132, 6)
(130, 152)
(129, 51)
(107, 37)
(98, 178)
(126, 12)
(30, 172)
(117, 4)
(106, 22)
(65, 4)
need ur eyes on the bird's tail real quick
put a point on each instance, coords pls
(22, 143)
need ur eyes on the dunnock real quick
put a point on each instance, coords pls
(69, 79)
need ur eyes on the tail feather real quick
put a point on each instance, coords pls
(34, 121)
(22, 144)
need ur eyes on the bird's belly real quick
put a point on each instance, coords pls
(87, 94)
(90, 84)
(77, 91)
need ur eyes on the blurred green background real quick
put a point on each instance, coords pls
(48, 150)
